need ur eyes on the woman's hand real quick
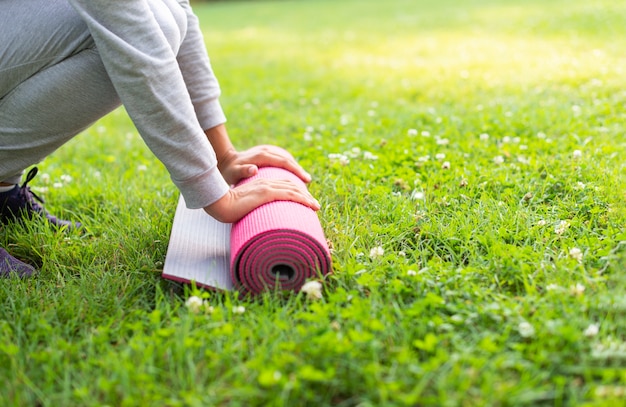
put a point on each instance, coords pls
(239, 201)
(235, 166)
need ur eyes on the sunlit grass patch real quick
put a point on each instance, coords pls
(468, 156)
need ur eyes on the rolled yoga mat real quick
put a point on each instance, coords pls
(278, 245)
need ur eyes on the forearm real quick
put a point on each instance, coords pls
(218, 137)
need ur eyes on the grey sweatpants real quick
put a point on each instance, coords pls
(53, 84)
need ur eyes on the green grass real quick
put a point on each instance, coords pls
(475, 299)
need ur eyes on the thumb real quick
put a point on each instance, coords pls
(247, 170)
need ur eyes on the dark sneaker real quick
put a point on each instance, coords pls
(10, 266)
(21, 202)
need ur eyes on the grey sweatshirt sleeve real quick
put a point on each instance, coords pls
(152, 86)
(198, 75)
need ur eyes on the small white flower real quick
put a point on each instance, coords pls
(498, 159)
(525, 329)
(443, 141)
(592, 330)
(58, 185)
(484, 136)
(66, 178)
(417, 195)
(312, 289)
(424, 158)
(577, 289)
(440, 156)
(553, 287)
(561, 227)
(45, 178)
(377, 251)
(541, 135)
(307, 136)
(425, 133)
(142, 167)
(401, 253)
(239, 309)
(412, 132)
(194, 304)
(506, 139)
(579, 185)
(541, 222)
(576, 254)
(411, 273)
(445, 165)
(369, 156)
(576, 154)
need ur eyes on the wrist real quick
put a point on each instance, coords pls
(218, 137)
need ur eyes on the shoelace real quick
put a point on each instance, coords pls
(29, 196)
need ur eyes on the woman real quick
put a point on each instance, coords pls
(66, 63)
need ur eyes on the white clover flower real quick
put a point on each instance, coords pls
(377, 251)
(576, 254)
(561, 227)
(401, 253)
(579, 185)
(417, 195)
(239, 309)
(443, 141)
(307, 136)
(425, 133)
(412, 132)
(592, 330)
(369, 156)
(66, 178)
(57, 185)
(525, 329)
(498, 159)
(484, 136)
(45, 178)
(142, 167)
(577, 289)
(553, 287)
(194, 304)
(541, 222)
(440, 156)
(506, 139)
(445, 165)
(312, 289)
(424, 158)
(541, 135)
(576, 154)
(463, 183)
(411, 273)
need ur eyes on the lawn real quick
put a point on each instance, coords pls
(469, 159)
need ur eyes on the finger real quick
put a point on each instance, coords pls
(269, 157)
(286, 190)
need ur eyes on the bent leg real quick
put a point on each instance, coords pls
(48, 109)
(53, 84)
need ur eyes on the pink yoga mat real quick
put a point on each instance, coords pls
(278, 245)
